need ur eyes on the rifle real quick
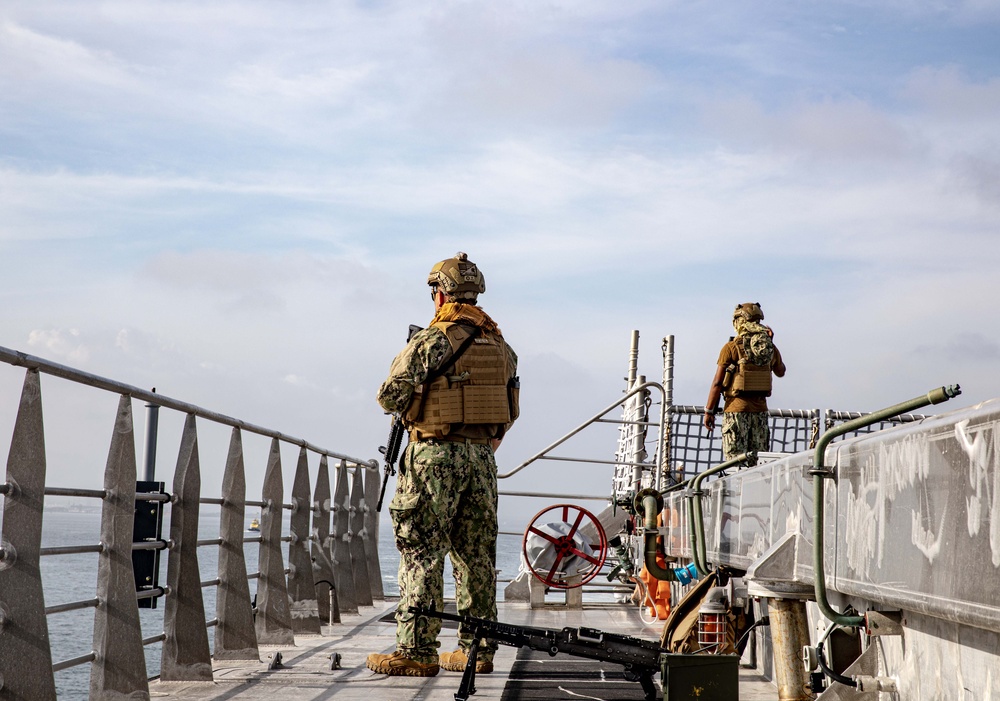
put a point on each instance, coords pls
(391, 448)
(641, 658)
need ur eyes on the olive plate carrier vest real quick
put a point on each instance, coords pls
(476, 398)
(745, 378)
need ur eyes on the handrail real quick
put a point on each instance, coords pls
(82, 493)
(25, 360)
(72, 606)
(821, 472)
(561, 495)
(25, 483)
(699, 410)
(71, 550)
(632, 392)
(594, 461)
(74, 662)
(696, 523)
(832, 415)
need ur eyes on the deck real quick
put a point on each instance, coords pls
(305, 673)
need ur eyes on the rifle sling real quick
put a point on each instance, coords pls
(449, 364)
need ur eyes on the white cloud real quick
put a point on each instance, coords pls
(980, 174)
(946, 93)
(326, 85)
(828, 130)
(553, 86)
(34, 61)
(65, 346)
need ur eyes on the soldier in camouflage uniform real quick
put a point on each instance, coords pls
(744, 371)
(455, 386)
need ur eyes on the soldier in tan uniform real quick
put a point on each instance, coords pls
(743, 376)
(455, 386)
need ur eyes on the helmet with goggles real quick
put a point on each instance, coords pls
(458, 277)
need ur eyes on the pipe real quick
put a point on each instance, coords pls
(31, 362)
(152, 424)
(819, 472)
(696, 524)
(617, 403)
(650, 503)
(789, 634)
(676, 487)
(663, 474)
(638, 445)
(633, 359)
(840, 678)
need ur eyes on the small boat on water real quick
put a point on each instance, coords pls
(254, 525)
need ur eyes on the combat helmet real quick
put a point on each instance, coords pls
(458, 277)
(748, 311)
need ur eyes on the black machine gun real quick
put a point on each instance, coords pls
(641, 658)
(391, 448)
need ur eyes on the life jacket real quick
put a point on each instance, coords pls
(476, 397)
(751, 376)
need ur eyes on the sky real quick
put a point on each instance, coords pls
(238, 203)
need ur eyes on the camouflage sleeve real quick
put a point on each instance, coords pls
(426, 351)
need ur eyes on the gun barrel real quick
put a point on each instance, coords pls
(502, 632)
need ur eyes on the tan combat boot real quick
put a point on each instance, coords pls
(398, 665)
(456, 661)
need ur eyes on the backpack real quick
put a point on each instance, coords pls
(757, 343)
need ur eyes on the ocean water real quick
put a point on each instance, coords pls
(68, 578)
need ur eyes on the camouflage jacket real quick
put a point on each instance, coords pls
(427, 351)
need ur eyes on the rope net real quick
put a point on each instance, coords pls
(692, 449)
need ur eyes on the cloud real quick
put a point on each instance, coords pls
(214, 271)
(65, 346)
(239, 204)
(947, 93)
(32, 62)
(845, 130)
(330, 84)
(979, 174)
(256, 283)
(965, 347)
(541, 88)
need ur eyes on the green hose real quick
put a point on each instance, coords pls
(696, 523)
(819, 472)
(650, 503)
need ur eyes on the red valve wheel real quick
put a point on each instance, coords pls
(558, 529)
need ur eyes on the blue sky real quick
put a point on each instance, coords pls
(238, 203)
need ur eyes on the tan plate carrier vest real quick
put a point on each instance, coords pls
(745, 378)
(476, 391)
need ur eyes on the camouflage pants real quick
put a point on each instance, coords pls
(445, 504)
(743, 431)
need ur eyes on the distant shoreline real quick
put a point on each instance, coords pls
(72, 508)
